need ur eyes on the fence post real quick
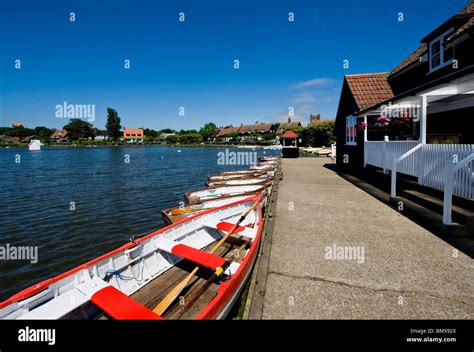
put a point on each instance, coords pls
(393, 188)
(448, 192)
(384, 156)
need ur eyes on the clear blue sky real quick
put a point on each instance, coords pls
(190, 64)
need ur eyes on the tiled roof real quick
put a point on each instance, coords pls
(255, 128)
(413, 57)
(466, 12)
(59, 134)
(286, 125)
(289, 134)
(369, 89)
(226, 131)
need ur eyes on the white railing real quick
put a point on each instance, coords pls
(379, 153)
(412, 166)
(454, 176)
(427, 163)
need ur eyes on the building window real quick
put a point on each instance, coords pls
(351, 131)
(128, 135)
(440, 55)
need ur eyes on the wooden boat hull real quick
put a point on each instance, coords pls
(239, 182)
(173, 215)
(256, 174)
(83, 292)
(218, 192)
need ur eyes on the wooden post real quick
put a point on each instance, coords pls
(423, 110)
(393, 188)
(448, 192)
(384, 154)
(365, 138)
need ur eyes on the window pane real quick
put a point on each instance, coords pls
(435, 60)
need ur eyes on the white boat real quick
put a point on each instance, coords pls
(35, 144)
(204, 194)
(139, 280)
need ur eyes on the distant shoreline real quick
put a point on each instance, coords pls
(25, 145)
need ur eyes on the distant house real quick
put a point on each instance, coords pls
(290, 125)
(257, 128)
(60, 136)
(133, 135)
(315, 120)
(4, 138)
(100, 135)
(17, 124)
(225, 134)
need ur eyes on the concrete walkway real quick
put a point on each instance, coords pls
(405, 273)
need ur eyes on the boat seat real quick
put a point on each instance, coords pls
(197, 256)
(226, 226)
(120, 306)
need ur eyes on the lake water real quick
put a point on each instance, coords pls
(113, 200)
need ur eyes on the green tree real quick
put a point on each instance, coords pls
(173, 139)
(209, 131)
(319, 135)
(190, 138)
(43, 133)
(113, 124)
(79, 129)
(20, 132)
(151, 134)
(167, 130)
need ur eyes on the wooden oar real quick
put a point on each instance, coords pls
(174, 293)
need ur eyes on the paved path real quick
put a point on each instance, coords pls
(407, 272)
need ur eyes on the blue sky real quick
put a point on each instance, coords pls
(174, 64)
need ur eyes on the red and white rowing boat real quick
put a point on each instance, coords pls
(140, 279)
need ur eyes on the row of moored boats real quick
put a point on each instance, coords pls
(194, 268)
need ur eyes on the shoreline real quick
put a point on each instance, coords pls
(7, 146)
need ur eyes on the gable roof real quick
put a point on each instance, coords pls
(227, 131)
(255, 128)
(59, 134)
(289, 134)
(286, 125)
(369, 89)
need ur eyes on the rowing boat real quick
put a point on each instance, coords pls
(255, 174)
(181, 212)
(241, 181)
(132, 281)
(212, 193)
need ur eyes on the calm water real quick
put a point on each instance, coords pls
(113, 200)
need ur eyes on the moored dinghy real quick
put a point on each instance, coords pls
(243, 181)
(255, 174)
(176, 214)
(197, 196)
(206, 259)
